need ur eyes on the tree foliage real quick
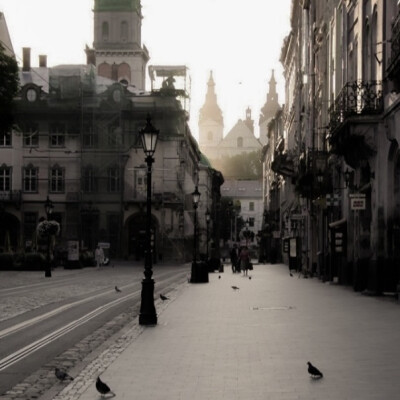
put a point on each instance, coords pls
(243, 166)
(9, 84)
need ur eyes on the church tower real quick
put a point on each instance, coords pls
(269, 109)
(211, 122)
(119, 53)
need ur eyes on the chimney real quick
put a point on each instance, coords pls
(43, 60)
(26, 59)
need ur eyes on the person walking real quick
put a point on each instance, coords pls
(244, 259)
(234, 258)
(99, 256)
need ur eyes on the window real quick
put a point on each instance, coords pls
(57, 135)
(104, 31)
(90, 138)
(31, 135)
(57, 179)
(5, 139)
(89, 180)
(114, 136)
(5, 178)
(251, 222)
(113, 180)
(239, 142)
(251, 206)
(30, 179)
(124, 31)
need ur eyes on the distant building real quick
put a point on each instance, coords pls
(247, 193)
(211, 121)
(241, 138)
(268, 111)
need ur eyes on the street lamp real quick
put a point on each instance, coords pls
(48, 207)
(247, 232)
(195, 272)
(148, 316)
(208, 223)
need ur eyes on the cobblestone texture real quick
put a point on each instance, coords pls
(125, 325)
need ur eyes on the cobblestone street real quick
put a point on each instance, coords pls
(213, 342)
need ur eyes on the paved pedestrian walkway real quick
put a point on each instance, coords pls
(214, 342)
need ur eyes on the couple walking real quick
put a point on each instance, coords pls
(240, 259)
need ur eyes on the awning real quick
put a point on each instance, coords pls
(337, 223)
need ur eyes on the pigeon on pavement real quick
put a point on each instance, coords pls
(62, 376)
(103, 388)
(117, 289)
(314, 371)
(163, 298)
(235, 288)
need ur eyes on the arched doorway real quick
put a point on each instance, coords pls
(9, 232)
(136, 225)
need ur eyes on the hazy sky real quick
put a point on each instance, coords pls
(240, 41)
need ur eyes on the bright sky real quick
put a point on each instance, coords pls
(240, 41)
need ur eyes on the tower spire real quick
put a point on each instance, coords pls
(210, 109)
(272, 96)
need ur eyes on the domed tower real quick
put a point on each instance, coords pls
(119, 53)
(269, 109)
(211, 122)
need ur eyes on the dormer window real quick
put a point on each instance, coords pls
(31, 93)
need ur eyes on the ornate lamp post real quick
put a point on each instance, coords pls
(208, 223)
(195, 198)
(48, 207)
(148, 316)
(247, 233)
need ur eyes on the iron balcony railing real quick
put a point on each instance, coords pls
(356, 98)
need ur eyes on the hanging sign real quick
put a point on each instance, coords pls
(358, 201)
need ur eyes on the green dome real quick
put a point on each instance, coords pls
(117, 5)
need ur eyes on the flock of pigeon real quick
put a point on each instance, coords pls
(104, 389)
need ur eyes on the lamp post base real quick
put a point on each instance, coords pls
(147, 314)
(199, 272)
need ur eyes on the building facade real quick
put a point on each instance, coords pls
(76, 141)
(337, 153)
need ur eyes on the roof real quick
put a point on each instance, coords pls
(45, 78)
(5, 36)
(242, 189)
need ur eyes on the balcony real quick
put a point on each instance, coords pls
(358, 103)
(10, 196)
(356, 99)
(393, 70)
(283, 164)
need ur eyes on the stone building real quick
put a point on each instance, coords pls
(240, 139)
(336, 157)
(76, 142)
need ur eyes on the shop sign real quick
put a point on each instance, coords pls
(358, 201)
